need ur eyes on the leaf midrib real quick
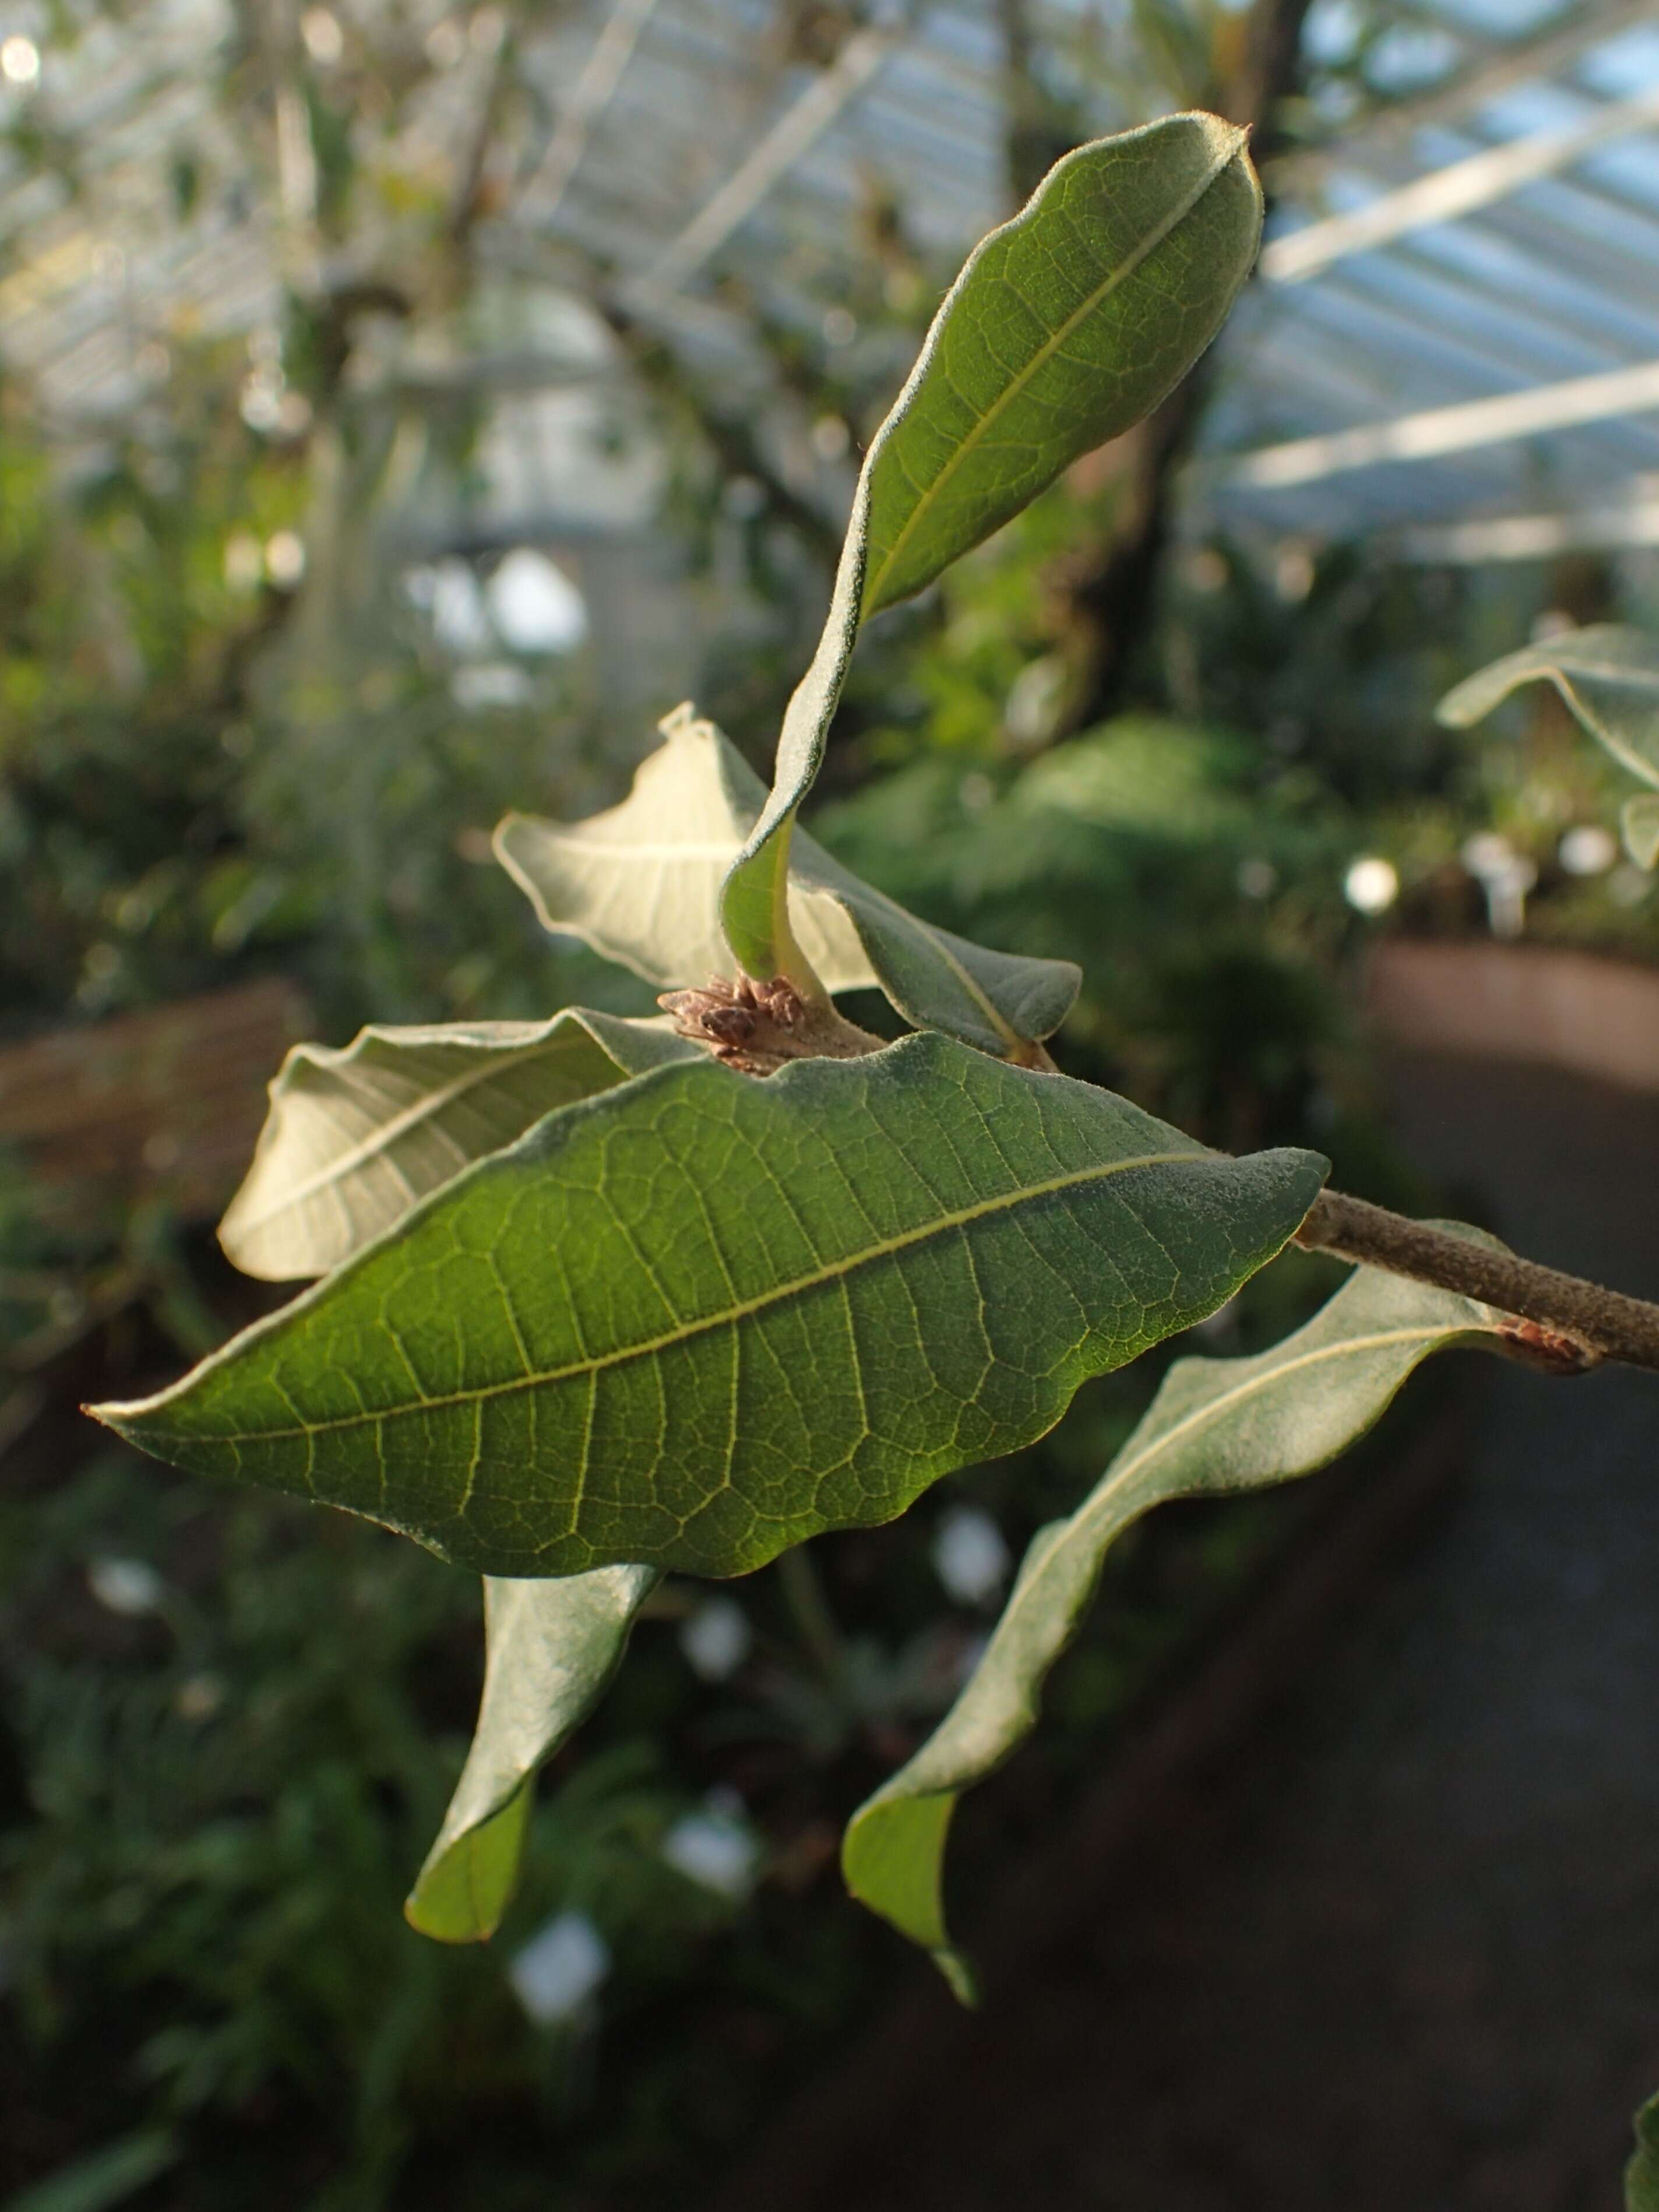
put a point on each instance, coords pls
(738, 1310)
(1088, 1517)
(872, 580)
(1351, 1347)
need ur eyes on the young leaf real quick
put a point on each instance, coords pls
(1639, 820)
(1065, 327)
(1215, 1425)
(1607, 674)
(354, 1137)
(641, 885)
(550, 1648)
(1642, 2174)
(701, 1317)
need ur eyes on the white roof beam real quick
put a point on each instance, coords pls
(590, 96)
(1457, 189)
(1459, 429)
(799, 128)
(1629, 523)
(1548, 55)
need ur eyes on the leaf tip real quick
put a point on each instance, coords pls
(960, 1977)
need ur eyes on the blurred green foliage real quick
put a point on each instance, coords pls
(232, 739)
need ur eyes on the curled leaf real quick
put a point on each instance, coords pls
(551, 1647)
(641, 885)
(1066, 326)
(356, 1137)
(1608, 674)
(1215, 1425)
(641, 882)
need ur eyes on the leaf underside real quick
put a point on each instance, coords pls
(1064, 329)
(1608, 676)
(701, 1317)
(357, 1137)
(1215, 1425)
(552, 1647)
(641, 885)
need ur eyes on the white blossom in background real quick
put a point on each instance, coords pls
(285, 558)
(560, 1968)
(1372, 884)
(130, 1587)
(447, 592)
(1588, 850)
(715, 1846)
(1257, 879)
(20, 60)
(969, 1556)
(1505, 876)
(716, 1638)
(534, 605)
(325, 41)
(198, 1697)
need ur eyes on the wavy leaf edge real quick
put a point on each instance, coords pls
(893, 1851)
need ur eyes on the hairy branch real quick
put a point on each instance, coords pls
(1574, 1324)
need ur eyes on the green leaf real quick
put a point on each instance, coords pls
(1642, 2174)
(552, 1647)
(355, 1138)
(641, 885)
(1065, 327)
(104, 2177)
(701, 1317)
(1639, 820)
(1215, 1425)
(1607, 674)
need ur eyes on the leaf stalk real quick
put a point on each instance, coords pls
(1564, 1323)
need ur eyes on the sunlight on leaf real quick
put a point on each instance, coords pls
(641, 885)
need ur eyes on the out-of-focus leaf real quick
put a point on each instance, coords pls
(1065, 327)
(703, 1316)
(552, 1647)
(1640, 822)
(1215, 1425)
(641, 885)
(356, 1137)
(104, 2178)
(1608, 676)
(1642, 2174)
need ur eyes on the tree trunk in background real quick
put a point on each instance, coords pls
(1105, 593)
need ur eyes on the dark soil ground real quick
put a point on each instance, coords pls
(1397, 1950)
